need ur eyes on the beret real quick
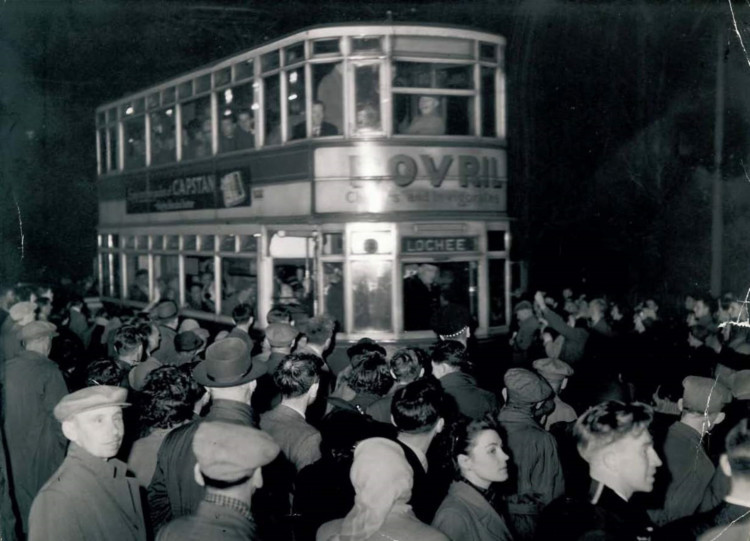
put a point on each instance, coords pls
(553, 369)
(281, 334)
(451, 319)
(188, 325)
(704, 394)
(22, 310)
(229, 452)
(90, 398)
(363, 345)
(523, 305)
(524, 386)
(37, 329)
(188, 341)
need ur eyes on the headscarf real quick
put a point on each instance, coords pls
(382, 480)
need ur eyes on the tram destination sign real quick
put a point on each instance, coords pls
(226, 189)
(410, 245)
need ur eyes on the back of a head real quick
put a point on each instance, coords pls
(279, 314)
(417, 407)
(738, 450)
(243, 313)
(102, 372)
(319, 329)
(168, 397)
(451, 353)
(407, 363)
(296, 374)
(127, 340)
(371, 375)
(607, 423)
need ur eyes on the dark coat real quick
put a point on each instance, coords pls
(167, 354)
(690, 528)
(211, 522)
(36, 445)
(88, 499)
(420, 303)
(574, 344)
(466, 515)
(472, 401)
(326, 129)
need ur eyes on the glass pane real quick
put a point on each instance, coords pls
(367, 95)
(100, 118)
(137, 277)
(248, 243)
(135, 146)
(426, 75)
(115, 262)
(223, 77)
(129, 242)
(114, 163)
(372, 242)
(333, 292)
(294, 53)
(103, 150)
(227, 243)
(273, 110)
(185, 90)
(141, 242)
(297, 125)
(112, 115)
(190, 242)
(168, 95)
(497, 292)
(199, 283)
(243, 70)
(367, 45)
(173, 242)
(152, 102)
(433, 115)
(163, 142)
(104, 262)
(114, 241)
(203, 83)
(328, 82)
(496, 241)
(139, 105)
(239, 283)
(371, 285)
(158, 243)
(433, 46)
(167, 276)
(196, 119)
(428, 286)
(207, 242)
(326, 46)
(333, 243)
(489, 113)
(269, 61)
(294, 287)
(487, 51)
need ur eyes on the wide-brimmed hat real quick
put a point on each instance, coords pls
(227, 364)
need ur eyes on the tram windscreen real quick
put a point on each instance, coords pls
(428, 286)
(294, 288)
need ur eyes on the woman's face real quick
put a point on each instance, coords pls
(486, 462)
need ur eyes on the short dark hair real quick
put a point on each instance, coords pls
(463, 434)
(23, 293)
(319, 329)
(127, 339)
(296, 374)
(406, 363)
(608, 422)
(371, 374)
(278, 314)
(738, 449)
(243, 313)
(450, 352)
(103, 372)
(417, 407)
(168, 397)
(706, 298)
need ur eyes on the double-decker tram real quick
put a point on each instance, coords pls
(342, 170)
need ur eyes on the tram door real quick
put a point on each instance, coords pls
(294, 266)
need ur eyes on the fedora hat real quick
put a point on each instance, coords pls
(227, 364)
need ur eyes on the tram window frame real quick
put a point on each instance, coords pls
(501, 256)
(368, 116)
(129, 280)
(334, 257)
(232, 102)
(315, 81)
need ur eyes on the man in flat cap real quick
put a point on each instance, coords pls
(527, 334)
(35, 442)
(230, 376)
(89, 497)
(166, 316)
(690, 468)
(539, 475)
(556, 372)
(229, 462)
(21, 314)
(188, 345)
(281, 338)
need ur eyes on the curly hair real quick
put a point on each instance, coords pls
(168, 397)
(371, 375)
(296, 374)
(406, 363)
(608, 422)
(103, 372)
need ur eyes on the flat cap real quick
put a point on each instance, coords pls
(22, 310)
(188, 341)
(450, 320)
(38, 329)
(165, 310)
(704, 395)
(553, 369)
(281, 334)
(90, 398)
(523, 305)
(741, 385)
(526, 387)
(188, 325)
(229, 452)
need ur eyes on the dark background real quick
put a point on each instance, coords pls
(611, 115)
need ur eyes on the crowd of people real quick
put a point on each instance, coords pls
(598, 421)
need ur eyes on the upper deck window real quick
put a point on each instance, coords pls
(203, 83)
(367, 98)
(153, 101)
(196, 117)
(243, 70)
(326, 47)
(295, 102)
(185, 90)
(488, 52)
(328, 85)
(223, 77)
(272, 109)
(237, 118)
(430, 75)
(168, 95)
(134, 128)
(294, 53)
(367, 45)
(433, 46)
(269, 61)
(163, 139)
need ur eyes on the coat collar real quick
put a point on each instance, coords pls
(231, 411)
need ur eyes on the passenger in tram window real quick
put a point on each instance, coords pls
(209, 298)
(138, 290)
(245, 133)
(330, 93)
(334, 296)
(194, 143)
(320, 128)
(195, 297)
(421, 297)
(429, 121)
(368, 118)
(228, 129)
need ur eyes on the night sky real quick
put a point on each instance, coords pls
(611, 115)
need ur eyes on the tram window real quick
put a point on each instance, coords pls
(203, 83)
(100, 118)
(269, 61)
(248, 243)
(371, 242)
(326, 46)
(428, 286)
(128, 242)
(190, 243)
(173, 242)
(237, 125)
(333, 243)
(223, 77)
(104, 260)
(243, 70)
(163, 141)
(367, 45)
(433, 46)
(367, 96)
(196, 120)
(333, 292)
(185, 90)
(167, 276)
(489, 112)
(199, 283)
(207, 243)
(371, 285)
(433, 115)
(168, 95)
(152, 101)
(488, 51)
(294, 287)
(227, 243)
(294, 53)
(137, 265)
(103, 150)
(496, 241)
(135, 145)
(114, 163)
(497, 292)
(141, 242)
(158, 242)
(428, 75)
(239, 283)
(296, 119)
(272, 109)
(116, 276)
(328, 82)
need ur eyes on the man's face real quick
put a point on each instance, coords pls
(99, 431)
(196, 293)
(636, 462)
(318, 113)
(735, 309)
(227, 127)
(245, 122)
(700, 309)
(427, 274)
(524, 314)
(427, 105)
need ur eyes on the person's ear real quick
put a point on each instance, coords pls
(70, 430)
(505, 394)
(680, 405)
(257, 478)
(564, 384)
(440, 425)
(611, 459)
(724, 464)
(464, 462)
(393, 375)
(393, 421)
(421, 373)
(313, 391)
(198, 476)
(719, 418)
